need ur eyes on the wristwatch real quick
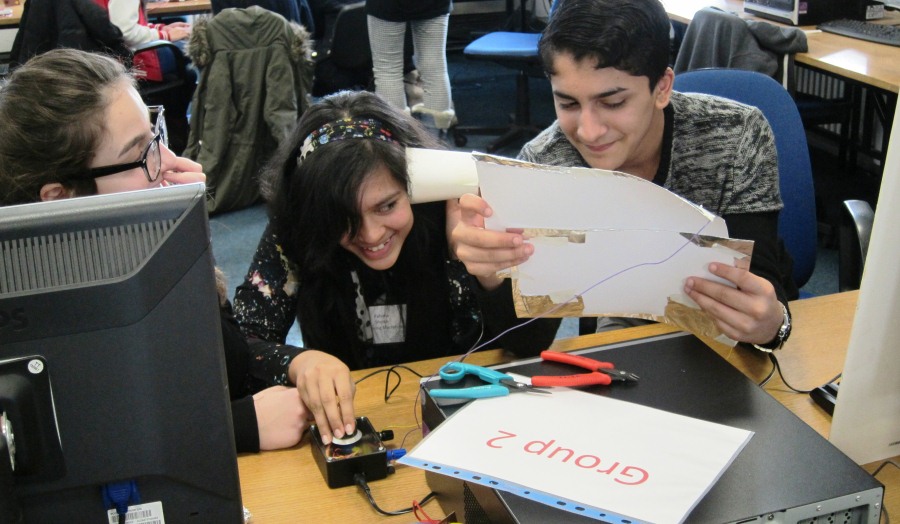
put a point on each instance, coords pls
(781, 337)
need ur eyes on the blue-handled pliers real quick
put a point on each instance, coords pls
(499, 384)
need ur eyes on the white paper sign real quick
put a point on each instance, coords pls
(590, 455)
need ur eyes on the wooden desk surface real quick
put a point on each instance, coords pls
(179, 7)
(286, 486)
(13, 20)
(873, 64)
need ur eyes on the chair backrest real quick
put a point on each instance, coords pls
(343, 56)
(797, 224)
(853, 240)
(174, 91)
(349, 45)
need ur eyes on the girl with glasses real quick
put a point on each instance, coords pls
(74, 125)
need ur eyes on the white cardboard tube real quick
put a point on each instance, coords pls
(440, 175)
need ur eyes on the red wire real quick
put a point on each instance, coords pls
(423, 518)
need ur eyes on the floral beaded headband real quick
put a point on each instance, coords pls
(344, 129)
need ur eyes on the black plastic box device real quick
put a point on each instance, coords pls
(363, 452)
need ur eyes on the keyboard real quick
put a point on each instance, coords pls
(878, 33)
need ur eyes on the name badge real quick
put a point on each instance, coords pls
(388, 323)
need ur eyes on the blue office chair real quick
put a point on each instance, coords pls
(797, 223)
(515, 50)
(716, 38)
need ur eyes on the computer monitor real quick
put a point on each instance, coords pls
(111, 361)
(866, 420)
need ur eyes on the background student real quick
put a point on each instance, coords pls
(159, 64)
(428, 20)
(368, 275)
(74, 125)
(607, 61)
(131, 17)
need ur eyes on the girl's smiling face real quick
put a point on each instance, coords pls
(386, 220)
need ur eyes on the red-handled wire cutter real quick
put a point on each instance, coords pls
(601, 373)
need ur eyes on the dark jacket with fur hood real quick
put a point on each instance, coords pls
(256, 73)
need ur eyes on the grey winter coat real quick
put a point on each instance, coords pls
(715, 38)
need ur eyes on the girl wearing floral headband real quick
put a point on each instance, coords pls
(368, 275)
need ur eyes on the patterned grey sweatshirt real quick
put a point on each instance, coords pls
(718, 154)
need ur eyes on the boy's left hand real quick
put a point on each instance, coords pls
(749, 312)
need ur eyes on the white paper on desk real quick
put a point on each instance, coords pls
(617, 244)
(612, 459)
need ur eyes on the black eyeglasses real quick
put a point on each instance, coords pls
(151, 159)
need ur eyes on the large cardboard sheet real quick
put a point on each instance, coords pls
(606, 243)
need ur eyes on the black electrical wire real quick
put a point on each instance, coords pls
(883, 464)
(388, 391)
(360, 480)
(768, 377)
(777, 366)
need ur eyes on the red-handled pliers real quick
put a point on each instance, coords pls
(602, 373)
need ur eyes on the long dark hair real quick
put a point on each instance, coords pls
(314, 202)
